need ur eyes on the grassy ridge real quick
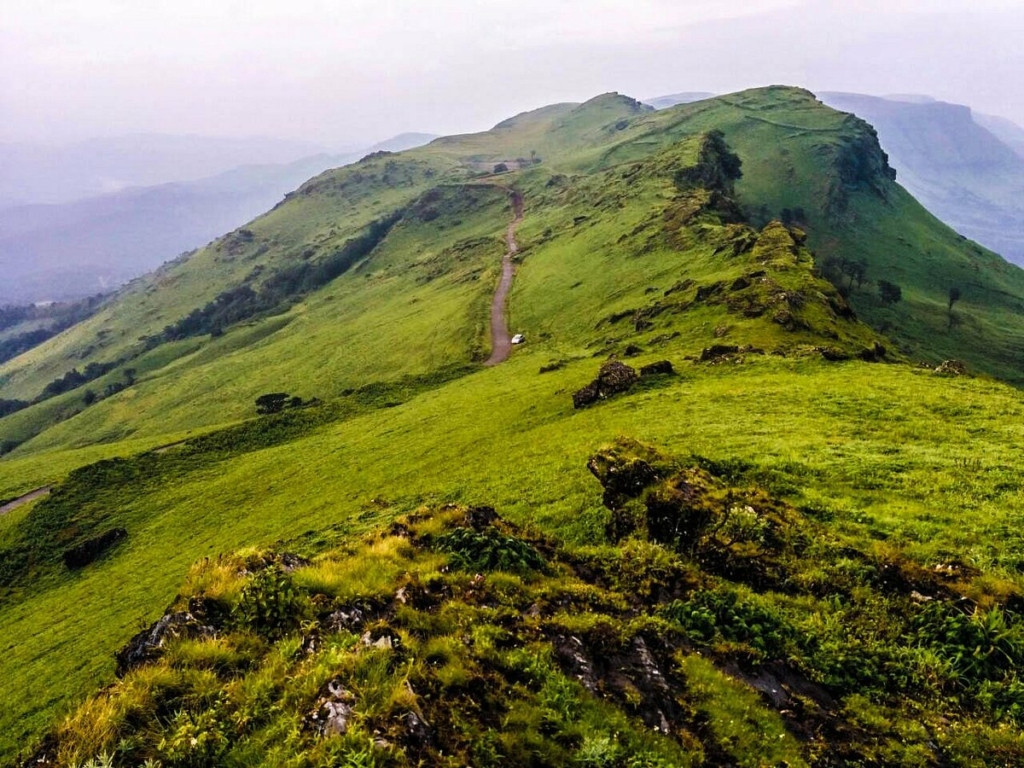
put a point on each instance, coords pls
(619, 255)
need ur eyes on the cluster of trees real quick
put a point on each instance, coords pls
(8, 407)
(851, 270)
(112, 388)
(74, 379)
(54, 318)
(790, 216)
(855, 271)
(278, 290)
(889, 293)
(275, 402)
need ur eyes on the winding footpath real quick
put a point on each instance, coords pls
(21, 500)
(501, 341)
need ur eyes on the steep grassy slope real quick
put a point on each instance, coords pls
(50, 252)
(586, 165)
(825, 171)
(633, 245)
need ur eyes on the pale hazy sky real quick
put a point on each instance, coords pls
(349, 71)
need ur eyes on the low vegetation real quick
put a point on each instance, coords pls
(452, 637)
(779, 528)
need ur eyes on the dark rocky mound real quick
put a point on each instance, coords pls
(89, 550)
(656, 369)
(613, 378)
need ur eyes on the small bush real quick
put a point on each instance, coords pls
(269, 604)
(490, 550)
(722, 614)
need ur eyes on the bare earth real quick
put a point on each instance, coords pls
(21, 500)
(501, 341)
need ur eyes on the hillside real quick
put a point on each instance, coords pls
(787, 542)
(950, 160)
(74, 249)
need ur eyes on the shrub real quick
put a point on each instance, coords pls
(489, 550)
(980, 646)
(722, 614)
(269, 604)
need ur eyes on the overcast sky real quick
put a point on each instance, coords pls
(351, 71)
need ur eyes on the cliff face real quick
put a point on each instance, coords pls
(959, 169)
(860, 164)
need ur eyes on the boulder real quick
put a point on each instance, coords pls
(631, 350)
(613, 378)
(583, 397)
(82, 554)
(717, 351)
(655, 369)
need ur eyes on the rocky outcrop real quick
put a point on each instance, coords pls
(89, 550)
(719, 353)
(333, 710)
(613, 378)
(951, 368)
(148, 644)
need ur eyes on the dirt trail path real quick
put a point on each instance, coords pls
(10, 506)
(501, 342)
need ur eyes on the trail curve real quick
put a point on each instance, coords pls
(12, 505)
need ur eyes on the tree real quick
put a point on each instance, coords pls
(890, 293)
(272, 402)
(954, 296)
(500, 168)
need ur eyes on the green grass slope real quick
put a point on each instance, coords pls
(846, 505)
(871, 454)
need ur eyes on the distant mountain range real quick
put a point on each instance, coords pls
(39, 173)
(961, 170)
(674, 99)
(1007, 131)
(68, 250)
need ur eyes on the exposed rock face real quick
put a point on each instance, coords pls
(655, 369)
(952, 368)
(333, 710)
(613, 378)
(82, 554)
(630, 674)
(718, 353)
(148, 644)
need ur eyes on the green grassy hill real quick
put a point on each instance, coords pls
(798, 507)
